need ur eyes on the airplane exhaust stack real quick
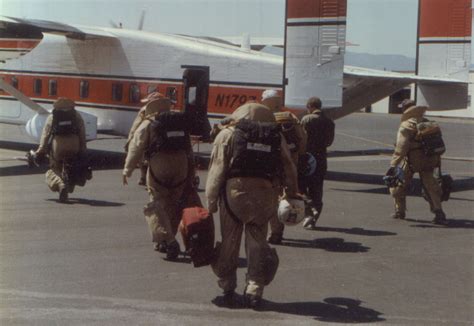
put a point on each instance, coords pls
(315, 38)
(444, 51)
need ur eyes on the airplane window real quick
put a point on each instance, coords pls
(84, 89)
(134, 93)
(151, 89)
(117, 91)
(37, 86)
(171, 93)
(53, 87)
(14, 82)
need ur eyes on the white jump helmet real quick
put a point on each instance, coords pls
(291, 211)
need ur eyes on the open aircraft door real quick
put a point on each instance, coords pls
(196, 94)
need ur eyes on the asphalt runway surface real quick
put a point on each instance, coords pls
(91, 262)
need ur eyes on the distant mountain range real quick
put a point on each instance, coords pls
(366, 60)
(392, 62)
(383, 61)
(380, 61)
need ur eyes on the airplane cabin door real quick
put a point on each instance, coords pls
(196, 94)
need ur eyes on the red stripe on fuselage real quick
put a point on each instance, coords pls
(223, 99)
(316, 8)
(19, 44)
(445, 18)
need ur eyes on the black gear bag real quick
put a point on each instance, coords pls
(64, 122)
(256, 150)
(172, 132)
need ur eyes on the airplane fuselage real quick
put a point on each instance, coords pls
(107, 77)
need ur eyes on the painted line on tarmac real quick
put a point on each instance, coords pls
(41, 306)
(450, 158)
(365, 139)
(360, 158)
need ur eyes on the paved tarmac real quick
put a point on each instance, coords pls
(91, 262)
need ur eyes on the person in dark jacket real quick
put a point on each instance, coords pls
(320, 135)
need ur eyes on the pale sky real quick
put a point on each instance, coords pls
(378, 26)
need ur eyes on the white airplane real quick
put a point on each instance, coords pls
(106, 71)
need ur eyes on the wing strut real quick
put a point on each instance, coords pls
(22, 97)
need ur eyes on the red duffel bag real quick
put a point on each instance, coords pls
(197, 229)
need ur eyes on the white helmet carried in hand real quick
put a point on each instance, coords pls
(291, 211)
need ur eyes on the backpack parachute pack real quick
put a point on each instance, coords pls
(64, 141)
(429, 134)
(256, 149)
(64, 122)
(287, 124)
(172, 132)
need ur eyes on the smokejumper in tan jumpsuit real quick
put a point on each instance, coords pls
(251, 202)
(410, 156)
(167, 179)
(141, 116)
(74, 144)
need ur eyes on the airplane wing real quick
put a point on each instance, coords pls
(359, 72)
(75, 32)
(256, 42)
(18, 37)
(363, 87)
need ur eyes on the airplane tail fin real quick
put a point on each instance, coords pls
(315, 33)
(444, 51)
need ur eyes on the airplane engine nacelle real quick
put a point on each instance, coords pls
(34, 126)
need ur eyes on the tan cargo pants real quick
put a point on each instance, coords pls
(418, 163)
(163, 212)
(251, 202)
(53, 176)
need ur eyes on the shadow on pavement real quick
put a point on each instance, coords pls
(413, 190)
(328, 244)
(336, 310)
(182, 260)
(186, 259)
(355, 231)
(90, 202)
(362, 152)
(452, 224)
(98, 159)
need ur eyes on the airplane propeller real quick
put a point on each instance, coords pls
(142, 20)
(114, 24)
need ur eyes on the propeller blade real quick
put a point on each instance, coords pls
(142, 20)
(113, 24)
